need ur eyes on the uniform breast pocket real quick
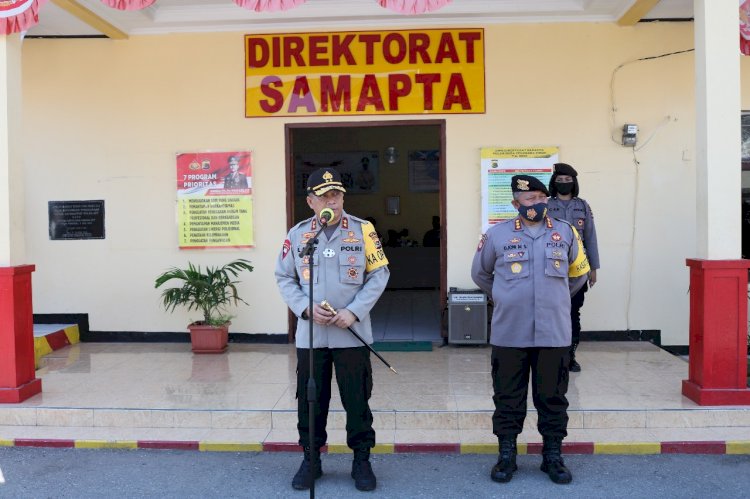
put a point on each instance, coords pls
(304, 273)
(303, 269)
(351, 268)
(556, 262)
(516, 265)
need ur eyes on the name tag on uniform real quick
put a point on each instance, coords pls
(329, 253)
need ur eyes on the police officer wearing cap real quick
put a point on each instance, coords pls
(530, 266)
(350, 272)
(566, 205)
(235, 179)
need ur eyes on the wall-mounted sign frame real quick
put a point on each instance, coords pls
(360, 170)
(424, 170)
(215, 200)
(499, 164)
(421, 71)
(72, 220)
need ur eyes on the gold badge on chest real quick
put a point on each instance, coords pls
(350, 238)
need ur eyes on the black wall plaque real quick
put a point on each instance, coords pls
(76, 219)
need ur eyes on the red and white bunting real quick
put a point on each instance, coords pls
(413, 7)
(745, 27)
(256, 5)
(18, 15)
(128, 4)
(268, 5)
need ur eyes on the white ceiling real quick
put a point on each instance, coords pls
(180, 16)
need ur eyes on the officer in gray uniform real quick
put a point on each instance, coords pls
(350, 272)
(530, 266)
(566, 205)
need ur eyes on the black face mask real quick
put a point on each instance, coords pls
(533, 213)
(564, 188)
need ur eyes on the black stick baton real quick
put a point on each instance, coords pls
(328, 307)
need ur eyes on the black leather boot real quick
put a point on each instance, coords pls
(552, 461)
(575, 367)
(364, 478)
(506, 462)
(301, 480)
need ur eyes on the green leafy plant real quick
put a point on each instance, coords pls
(209, 291)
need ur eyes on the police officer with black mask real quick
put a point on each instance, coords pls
(530, 265)
(566, 205)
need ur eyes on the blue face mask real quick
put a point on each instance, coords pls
(533, 213)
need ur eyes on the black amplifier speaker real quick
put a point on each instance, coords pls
(467, 316)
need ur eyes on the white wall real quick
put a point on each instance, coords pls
(103, 120)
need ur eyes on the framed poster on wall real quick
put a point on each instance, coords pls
(359, 169)
(745, 126)
(499, 164)
(424, 170)
(215, 199)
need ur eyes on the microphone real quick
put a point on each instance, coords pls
(326, 215)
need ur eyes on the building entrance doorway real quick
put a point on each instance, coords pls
(394, 173)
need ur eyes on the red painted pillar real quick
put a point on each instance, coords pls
(18, 379)
(718, 333)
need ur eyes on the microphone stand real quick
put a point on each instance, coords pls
(309, 250)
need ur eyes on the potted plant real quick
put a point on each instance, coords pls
(209, 291)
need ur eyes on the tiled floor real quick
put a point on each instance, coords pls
(404, 315)
(627, 392)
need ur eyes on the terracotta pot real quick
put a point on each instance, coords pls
(208, 339)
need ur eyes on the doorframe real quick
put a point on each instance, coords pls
(289, 129)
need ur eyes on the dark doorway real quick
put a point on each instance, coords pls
(394, 172)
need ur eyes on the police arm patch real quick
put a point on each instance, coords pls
(374, 255)
(581, 264)
(482, 240)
